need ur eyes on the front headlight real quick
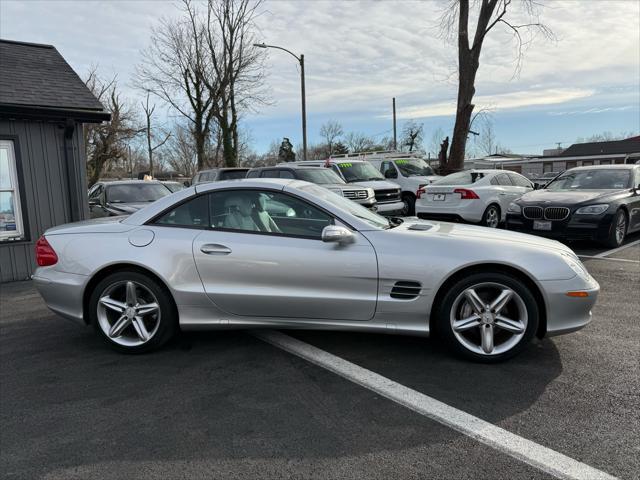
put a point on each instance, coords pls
(575, 264)
(593, 209)
(514, 208)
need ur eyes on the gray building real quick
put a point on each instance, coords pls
(43, 107)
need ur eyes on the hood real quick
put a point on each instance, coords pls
(96, 225)
(565, 197)
(127, 208)
(414, 226)
(377, 184)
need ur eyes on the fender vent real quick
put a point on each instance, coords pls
(406, 290)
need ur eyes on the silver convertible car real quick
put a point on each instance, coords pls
(282, 253)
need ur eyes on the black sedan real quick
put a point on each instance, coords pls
(123, 197)
(599, 203)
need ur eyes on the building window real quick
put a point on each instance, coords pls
(547, 167)
(11, 224)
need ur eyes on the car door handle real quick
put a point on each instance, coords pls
(501, 193)
(215, 249)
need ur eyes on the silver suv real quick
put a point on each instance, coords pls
(321, 176)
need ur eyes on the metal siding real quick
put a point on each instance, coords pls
(45, 187)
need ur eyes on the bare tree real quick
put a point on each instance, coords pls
(180, 151)
(490, 13)
(412, 133)
(238, 66)
(106, 142)
(175, 68)
(358, 142)
(331, 131)
(150, 135)
(436, 139)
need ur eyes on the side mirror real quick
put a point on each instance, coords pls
(390, 174)
(337, 234)
(186, 183)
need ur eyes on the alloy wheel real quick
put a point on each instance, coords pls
(491, 219)
(488, 318)
(621, 228)
(128, 313)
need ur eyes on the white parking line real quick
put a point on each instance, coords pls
(595, 257)
(531, 453)
(616, 250)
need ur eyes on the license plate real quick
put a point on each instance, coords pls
(439, 197)
(538, 225)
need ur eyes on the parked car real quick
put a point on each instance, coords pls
(599, 203)
(476, 196)
(218, 174)
(124, 196)
(411, 173)
(212, 257)
(320, 176)
(388, 195)
(173, 186)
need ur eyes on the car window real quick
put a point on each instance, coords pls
(319, 176)
(270, 173)
(503, 179)
(286, 174)
(359, 171)
(637, 180)
(253, 174)
(194, 213)
(266, 211)
(96, 192)
(595, 179)
(519, 180)
(232, 174)
(414, 167)
(136, 192)
(466, 177)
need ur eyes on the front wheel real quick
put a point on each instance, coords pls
(488, 317)
(618, 230)
(132, 312)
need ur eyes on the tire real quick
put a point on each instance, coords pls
(491, 216)
(145, 327)
(616, 237)
(409, 201)
(467, 339)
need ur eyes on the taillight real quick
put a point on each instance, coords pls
(466, 194)
(45, 254)
(420, 192)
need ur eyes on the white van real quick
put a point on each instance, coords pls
(408, 170)
(388, 195)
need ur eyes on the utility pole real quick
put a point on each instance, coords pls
(395, 138)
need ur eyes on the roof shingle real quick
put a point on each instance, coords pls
(38, 76)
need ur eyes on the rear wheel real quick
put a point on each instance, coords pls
(488, 317)
(132, 312)
(409, 208)
(491, 217)
(618, 230)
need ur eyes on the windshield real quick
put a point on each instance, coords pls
(466, 177)
(413, 167)
(596, 179)
(359, 171)
(233, 174)
(321, 176)
(349, 206)
(174, 186)
(136, 192)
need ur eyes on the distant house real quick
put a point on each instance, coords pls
(43, 106)
(577, 155)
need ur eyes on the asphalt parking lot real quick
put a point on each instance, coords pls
(229, 405)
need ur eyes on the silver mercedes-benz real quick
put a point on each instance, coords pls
(289, 254)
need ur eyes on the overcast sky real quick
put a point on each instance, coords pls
(361, 54)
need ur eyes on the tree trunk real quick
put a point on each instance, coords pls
(466, 91)
(149, 146)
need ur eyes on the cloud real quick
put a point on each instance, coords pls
(593, 110)
(521, 99)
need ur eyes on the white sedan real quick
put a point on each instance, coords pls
(477, 196)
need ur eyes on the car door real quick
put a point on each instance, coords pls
(520, 184)
(634, 204)
(507, 192)
(285, 270)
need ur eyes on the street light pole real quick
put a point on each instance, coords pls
(300, 60)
